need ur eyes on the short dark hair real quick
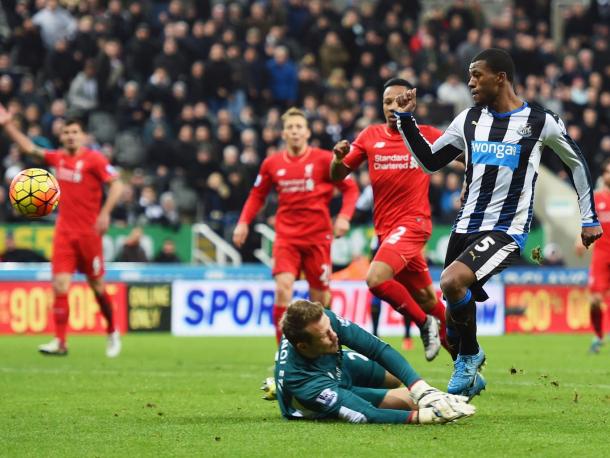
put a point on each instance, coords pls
(300, 314)
(605, 164)
(498, 61)
(79, 121)
(397, 82)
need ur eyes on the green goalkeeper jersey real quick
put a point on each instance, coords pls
(312, 389)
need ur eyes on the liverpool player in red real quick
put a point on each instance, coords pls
(599, 273)
(82, 220)
(399, 273)
(303, 226)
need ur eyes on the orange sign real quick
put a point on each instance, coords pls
(26, 308)
(547, 308)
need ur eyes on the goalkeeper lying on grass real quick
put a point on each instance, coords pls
(316, 379)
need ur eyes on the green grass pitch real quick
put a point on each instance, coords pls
(168, 396)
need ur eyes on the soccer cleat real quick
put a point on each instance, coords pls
(113, 344)
(269, 388)
(430, 337)
(476, 388)
(465, 370)
(53, 348)
(596, 345)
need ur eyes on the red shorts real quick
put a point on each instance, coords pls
(78, 252)
(403, 250)
(599, 272)
(313, 260)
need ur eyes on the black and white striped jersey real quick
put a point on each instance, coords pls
(502, 152)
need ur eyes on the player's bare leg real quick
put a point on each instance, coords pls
(61, 313)
(597, 322)
(284, 287)
(455, 283)
(113, 344)
(322, 296)
(432, 305)
(381, 283)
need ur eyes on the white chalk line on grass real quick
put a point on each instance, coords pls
(109, 372)
(256, 376)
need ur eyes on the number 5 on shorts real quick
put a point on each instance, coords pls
(484, 244)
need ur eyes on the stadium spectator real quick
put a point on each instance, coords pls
(132, 250)
(567, 74)
(167, 253)
(55, 22)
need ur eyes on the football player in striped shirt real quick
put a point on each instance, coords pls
(503, 138)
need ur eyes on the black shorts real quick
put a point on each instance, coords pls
(485, 253)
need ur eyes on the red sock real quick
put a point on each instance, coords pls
(61, 313)
(399, 298)
(596, 321)
(105, 304)
(278, 313)
(438, 312)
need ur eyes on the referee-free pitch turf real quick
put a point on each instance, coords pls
(169, 396)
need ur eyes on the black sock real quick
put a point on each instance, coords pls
(464, 317)
(375, 312)
(453, 338)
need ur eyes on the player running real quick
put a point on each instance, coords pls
(599, 273)
(82, 174)
(304, 231)
(316, 379)
(399, 272)
(502, 138)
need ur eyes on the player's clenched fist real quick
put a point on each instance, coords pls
(407, 101)
(341, 149)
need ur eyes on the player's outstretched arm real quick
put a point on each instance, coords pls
(23, 142)
(556, 137)
(431, 157)
(338, 170)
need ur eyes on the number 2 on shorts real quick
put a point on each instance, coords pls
(400, 230)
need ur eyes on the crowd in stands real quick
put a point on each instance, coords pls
(185, 97)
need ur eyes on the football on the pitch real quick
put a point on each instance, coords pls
(34, 193)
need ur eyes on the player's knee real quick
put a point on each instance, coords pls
(374, 279)
(451, 285)
(596, 301)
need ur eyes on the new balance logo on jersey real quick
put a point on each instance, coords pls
(379, 145)
(495, 153)
(281, 172)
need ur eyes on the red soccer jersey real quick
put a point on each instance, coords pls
(81, 180)
(602, 206)
(304, 192)
(400, 186)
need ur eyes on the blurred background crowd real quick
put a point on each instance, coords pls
(185, 97)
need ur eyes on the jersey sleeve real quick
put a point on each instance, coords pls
(323, 397)
(356, 338)
(357, 152)
(105, 171)
(258, 193)
(555, 136)
(432, 156)
(51, 157)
